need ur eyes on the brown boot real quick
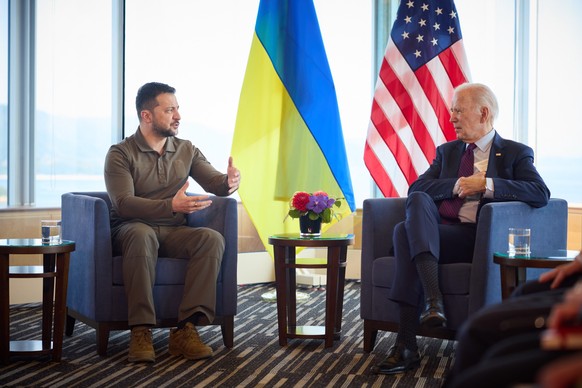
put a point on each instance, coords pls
(141, 348)
(186, 342)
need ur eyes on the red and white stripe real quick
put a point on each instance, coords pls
(410, 116)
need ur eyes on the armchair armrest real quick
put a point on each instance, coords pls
(548, 226)
(85, 220)
(379, 217)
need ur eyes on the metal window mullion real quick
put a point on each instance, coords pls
(522, 86)
(21, 102)
(384, 13)
(532, 130)
(118, 70)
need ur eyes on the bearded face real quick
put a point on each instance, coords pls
(165, 131)
(165, 116)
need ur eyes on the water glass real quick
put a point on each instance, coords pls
(519, 241)
(51, 231)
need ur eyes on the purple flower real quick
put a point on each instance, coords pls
(330, 202)
(318, 203)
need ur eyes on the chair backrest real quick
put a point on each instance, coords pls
(549, 225)
(98, 194)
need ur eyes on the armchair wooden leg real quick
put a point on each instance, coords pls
(102, 333)
(69, 325)
(370, 335)
(227, 328)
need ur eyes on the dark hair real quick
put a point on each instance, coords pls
(146, 96)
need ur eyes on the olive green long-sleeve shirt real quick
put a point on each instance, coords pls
(141, 183)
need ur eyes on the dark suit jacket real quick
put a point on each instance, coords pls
(515, 177)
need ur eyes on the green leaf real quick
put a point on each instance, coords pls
(313, 216)
(326, 216)
(294, 213)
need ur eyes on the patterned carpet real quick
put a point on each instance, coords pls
(256, 360)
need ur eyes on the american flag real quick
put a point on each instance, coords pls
(424, 61)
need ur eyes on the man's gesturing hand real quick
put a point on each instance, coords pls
(233, 176)
(182, 203)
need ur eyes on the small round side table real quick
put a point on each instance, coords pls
(513, 268)
(284, 246)
(55, 268)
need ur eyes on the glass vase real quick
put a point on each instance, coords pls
(309, 227)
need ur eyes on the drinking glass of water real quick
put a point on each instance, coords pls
(519, 241)
(51, 231)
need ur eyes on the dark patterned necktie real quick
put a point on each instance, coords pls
(449, 208)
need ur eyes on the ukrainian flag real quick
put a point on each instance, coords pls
(288, 135)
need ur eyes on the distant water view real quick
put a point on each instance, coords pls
(68, 159)
(50, 188)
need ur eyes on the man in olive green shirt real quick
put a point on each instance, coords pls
(147, 177)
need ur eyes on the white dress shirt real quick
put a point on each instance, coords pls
(468, 212)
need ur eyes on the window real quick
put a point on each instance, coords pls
(3, 103)
(204, 56)
(551, 90)
(202, 49)
(73, 123)
(557, 98)
(347, 35)
(488, 35)
(202, 52)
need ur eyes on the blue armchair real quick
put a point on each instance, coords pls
(96, 295)
(466, 287)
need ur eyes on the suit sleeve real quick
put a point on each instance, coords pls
(514, 175)
(518, 180)
(437, 181)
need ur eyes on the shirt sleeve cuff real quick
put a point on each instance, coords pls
(489, 189)
(456, 188)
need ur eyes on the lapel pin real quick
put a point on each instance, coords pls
(498, 154)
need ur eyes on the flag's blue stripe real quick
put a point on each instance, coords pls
(289, 32)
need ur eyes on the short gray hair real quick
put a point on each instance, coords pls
(482, 96)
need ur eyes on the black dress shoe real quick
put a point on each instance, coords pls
(433, 314)
(399, 360)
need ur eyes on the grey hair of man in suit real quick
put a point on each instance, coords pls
(483, 97)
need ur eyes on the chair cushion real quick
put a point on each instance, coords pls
(169, 271)
(454, 278)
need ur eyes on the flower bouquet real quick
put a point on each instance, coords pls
(316, 205)
(312, 210)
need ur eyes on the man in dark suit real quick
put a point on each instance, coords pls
(501, 345)
(442, 209)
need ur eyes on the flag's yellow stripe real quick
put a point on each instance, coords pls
(274, 150)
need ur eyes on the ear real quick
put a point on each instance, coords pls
(484, 114)
(146, 116)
